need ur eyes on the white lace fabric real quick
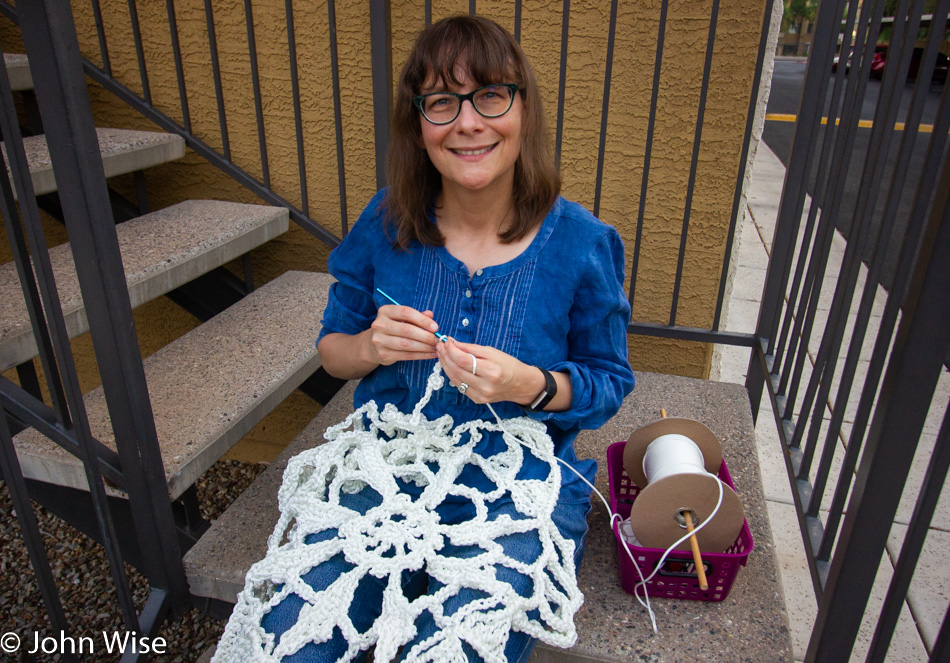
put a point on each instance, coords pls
(406, 534)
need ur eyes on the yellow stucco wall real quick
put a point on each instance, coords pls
(634, 52)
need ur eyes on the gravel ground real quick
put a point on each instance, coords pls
(85, 584)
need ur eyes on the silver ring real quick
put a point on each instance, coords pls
(462, 388)
(474, 364)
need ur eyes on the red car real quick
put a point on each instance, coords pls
(940, 69)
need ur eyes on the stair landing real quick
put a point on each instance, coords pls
(749, 625)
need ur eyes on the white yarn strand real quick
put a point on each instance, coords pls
(430, 454)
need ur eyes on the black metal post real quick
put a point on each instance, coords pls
(912, 374)
(52, 46)
(380, 34)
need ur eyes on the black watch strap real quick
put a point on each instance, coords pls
(550, 390)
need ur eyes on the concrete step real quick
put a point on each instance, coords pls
(18, 71)
(123, 151)
(211, 386)
(160, 251)
(611, 625)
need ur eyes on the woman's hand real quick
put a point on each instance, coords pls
(497, 377)
(397, 333)
(400, 333)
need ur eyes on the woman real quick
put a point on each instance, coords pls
(524, 289)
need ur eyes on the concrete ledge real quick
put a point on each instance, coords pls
(211, 386)
(160, 251)
(217, 563)
(18, 71)
(749, 625)
(123, 151)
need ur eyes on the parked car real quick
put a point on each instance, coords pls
(837, 58)
(940, 68)
(834, 63)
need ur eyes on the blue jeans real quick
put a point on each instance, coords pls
(570, 519)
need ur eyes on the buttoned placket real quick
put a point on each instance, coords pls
(467, 309)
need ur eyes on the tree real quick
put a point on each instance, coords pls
(798, 11)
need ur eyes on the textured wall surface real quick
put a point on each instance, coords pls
(664, 207)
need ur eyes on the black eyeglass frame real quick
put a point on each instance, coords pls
(418, 101)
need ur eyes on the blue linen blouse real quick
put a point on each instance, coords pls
(559, 305)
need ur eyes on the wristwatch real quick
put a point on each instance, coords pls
(550, 390)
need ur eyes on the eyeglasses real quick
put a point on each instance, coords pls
(489, 101)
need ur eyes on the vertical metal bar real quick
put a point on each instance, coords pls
(881, 243)
(941, 649)
(428, 13)
(884, 118)
(101, 34)
(381, 53)
(46, 32)
(256, 84)
(561, 81)
(912, 374)
(471, 7)
(53, 47)
(25, 266)
(911, 245)
(743, 158)
(179, 69)
(216, 70)
(248, 272)
(654, 95)
(295, 91)
(29, 380)
(821, 180)
(32, 538)
(914, 539)
(605, 108)
(518, 21)
(827, 26)
(338, 113)
(140, 51)
(141, 191)
(697, 143)
(804, 323)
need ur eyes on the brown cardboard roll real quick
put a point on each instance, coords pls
(641, 438)
(653, 515)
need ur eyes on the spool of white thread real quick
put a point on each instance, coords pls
(672, 454)
(677, 477)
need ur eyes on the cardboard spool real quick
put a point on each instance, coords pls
(656, 514)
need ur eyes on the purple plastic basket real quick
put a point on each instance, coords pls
(677, 579)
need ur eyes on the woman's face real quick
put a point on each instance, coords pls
(473, 152)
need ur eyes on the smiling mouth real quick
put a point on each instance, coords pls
(474, 153)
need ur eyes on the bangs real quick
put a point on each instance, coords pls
(483, 55)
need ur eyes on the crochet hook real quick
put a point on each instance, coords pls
(441, 337)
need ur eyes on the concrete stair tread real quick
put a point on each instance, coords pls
(160, 251)
(18, 71)
(611, 626)
(123, 151)
(211, 386)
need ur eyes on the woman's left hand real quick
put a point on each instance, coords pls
(490, 375)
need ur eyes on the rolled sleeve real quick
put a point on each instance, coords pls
(597, 361)
(350, 307)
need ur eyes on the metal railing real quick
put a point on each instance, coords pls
(136, 467)
(850, 441)
(666, 325)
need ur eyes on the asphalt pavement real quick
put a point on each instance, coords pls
(877, 174)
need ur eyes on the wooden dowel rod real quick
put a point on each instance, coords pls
(697, 558)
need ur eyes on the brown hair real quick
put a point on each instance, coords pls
(490, 55)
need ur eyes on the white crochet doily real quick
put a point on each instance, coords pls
(405, 534)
